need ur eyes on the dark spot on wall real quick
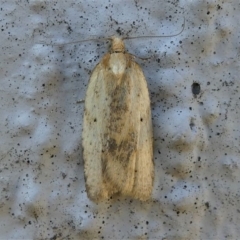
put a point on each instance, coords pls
(196, 89)
(192, 124)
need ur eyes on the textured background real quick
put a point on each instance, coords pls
(196, 137)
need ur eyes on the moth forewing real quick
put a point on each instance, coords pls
(117, 129)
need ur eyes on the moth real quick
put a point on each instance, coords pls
(117, 136)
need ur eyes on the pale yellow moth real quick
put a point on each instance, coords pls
(117, 129)
(117, 136)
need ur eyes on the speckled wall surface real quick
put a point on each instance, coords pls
(196, 136)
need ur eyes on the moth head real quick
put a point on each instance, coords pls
(117, 45)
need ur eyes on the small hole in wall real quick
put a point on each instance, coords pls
(196, 88)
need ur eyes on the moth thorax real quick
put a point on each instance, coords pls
(117, 45)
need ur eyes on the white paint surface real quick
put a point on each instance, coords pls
(196, 138)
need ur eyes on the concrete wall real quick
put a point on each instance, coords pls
(193, 80)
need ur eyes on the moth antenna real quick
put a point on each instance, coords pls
(73, 42)
(174, 35)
